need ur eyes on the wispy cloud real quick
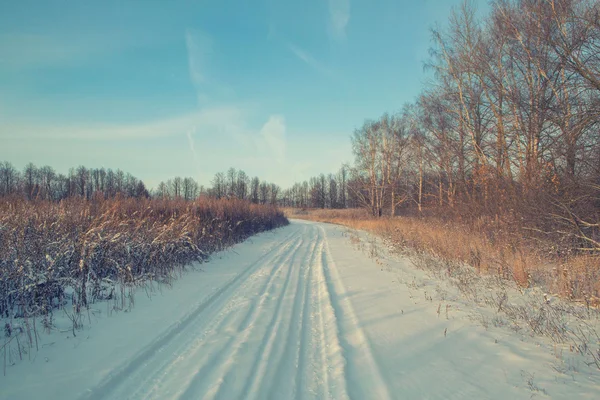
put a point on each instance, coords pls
(199, 50)
(339, 17)
(309, 60)
(272, 135)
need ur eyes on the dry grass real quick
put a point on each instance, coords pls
(78, 251)
(490, 247)
(481, 260)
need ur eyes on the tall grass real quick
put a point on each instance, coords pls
(490, 246)
(81, 251)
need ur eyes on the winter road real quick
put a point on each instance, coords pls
(303, 312)
(277, 330)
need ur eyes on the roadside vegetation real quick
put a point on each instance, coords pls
(88, 250)
(488, 247)
(451, 279)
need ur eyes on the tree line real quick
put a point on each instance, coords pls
(322, 191)
(225, 185)
(45, 183)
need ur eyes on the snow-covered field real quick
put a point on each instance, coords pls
(299, 313)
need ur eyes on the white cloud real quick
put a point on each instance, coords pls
(308, 59)
(339, 16)
(272, 134)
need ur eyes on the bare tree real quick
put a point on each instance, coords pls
(190, 189)
(176, 187)
(264, 192)
(47, 176)
(231, 182)
(162, 190)
(332, 192)
(9, 178)
(274, 194)
(219, 186)
(255, 190)
(342, 185)
(241, 186)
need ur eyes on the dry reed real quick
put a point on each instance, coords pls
(79, 251)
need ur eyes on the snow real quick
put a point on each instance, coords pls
(301, 312)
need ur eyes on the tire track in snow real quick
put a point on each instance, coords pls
(207, 381)
(291, 362)
(205, 363)
(302, 369)
(254, 388)
(332, 361)
(320, 360)
(363, 378)
(124, 372)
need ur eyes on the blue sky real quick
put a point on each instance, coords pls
(190, 88)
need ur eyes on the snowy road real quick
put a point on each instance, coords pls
(299, 313)
(277, 330)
